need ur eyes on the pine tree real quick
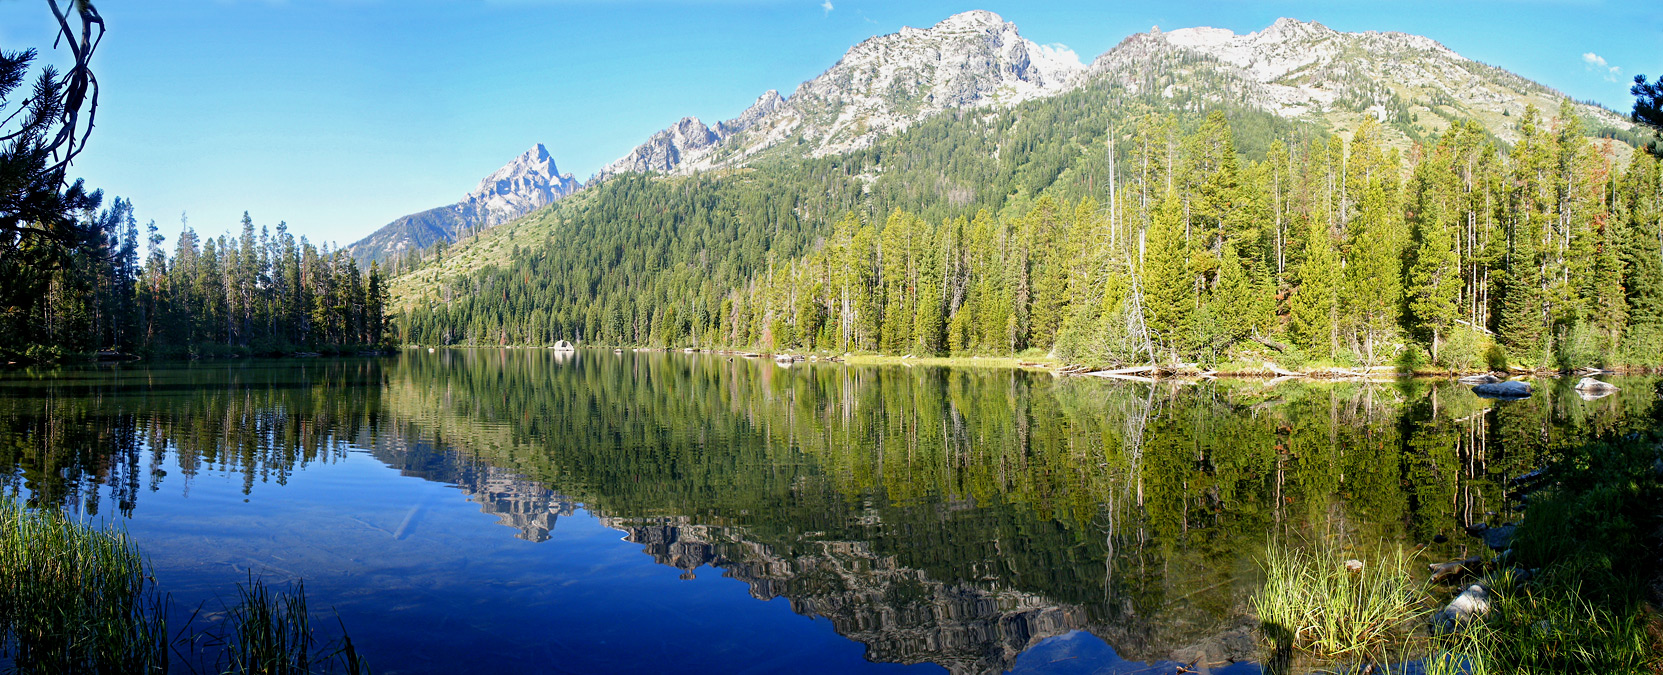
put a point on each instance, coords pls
(1434, 278)
(1314, 305)
(1168, 299)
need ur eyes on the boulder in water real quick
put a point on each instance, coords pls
(1509, 389)
(1590, 384)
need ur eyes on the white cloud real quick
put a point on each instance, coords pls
(826, 6)
(1596, 63)
(1059, 53)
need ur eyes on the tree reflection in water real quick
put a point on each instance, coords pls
(954, 516)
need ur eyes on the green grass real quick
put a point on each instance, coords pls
(1590, 542)
(75, 598)
(270, 633)
(1592, 537)
(1313, 604)
(81, 599)
(1552, 625)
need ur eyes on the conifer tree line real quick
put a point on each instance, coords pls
(1457, 254)
(260, 292)
(1461, 252)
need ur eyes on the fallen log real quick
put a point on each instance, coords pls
(1476, 327)
(1269, 343)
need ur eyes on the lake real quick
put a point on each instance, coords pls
(528, 511)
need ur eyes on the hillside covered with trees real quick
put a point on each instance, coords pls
(1206, 233)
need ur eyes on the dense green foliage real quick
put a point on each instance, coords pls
(252, 294)
(1459, 254)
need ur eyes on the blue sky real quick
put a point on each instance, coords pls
(339, 115)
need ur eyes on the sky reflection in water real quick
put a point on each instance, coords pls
(489, 511)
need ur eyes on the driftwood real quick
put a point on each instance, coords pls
(1134, 370)
(1280, 371)
(1116, 376)
(1449, 570)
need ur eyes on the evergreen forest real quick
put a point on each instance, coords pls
(1173, 233)
(214, 296)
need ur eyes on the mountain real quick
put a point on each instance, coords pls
(1299, 69)
(521, 186)
(1293, 68)
(944, 123)
(888, 84)
(689, 142)
(881, 86)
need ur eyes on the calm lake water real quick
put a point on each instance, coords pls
(524, 511)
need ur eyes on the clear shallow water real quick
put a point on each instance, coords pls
(513, 511)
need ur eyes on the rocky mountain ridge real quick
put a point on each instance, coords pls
(881, 86)
(1414, 85)
(1292, 68)
(1300, 69)
(525, 184)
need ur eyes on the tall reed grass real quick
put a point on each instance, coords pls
(80, 599)
(75, 598)
(1313, 603)
(270, 633)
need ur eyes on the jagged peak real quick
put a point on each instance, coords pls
(689, 122)
(535, 161)
(975, 19)
(768, 99)
(1291, 26)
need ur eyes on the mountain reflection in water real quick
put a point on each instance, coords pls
(935, 515)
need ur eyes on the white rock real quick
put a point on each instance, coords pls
(1590, 384)
(1472, 602)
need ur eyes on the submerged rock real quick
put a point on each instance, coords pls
(1510, 389)
(1589, 388)
(1482, 378)
(1499, 538)
(1237, 644)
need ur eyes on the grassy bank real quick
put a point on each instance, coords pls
(1575, 591)
(81, 599)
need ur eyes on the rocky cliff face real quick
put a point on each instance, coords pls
(526, 184)
(689, 143)
(881, 86)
